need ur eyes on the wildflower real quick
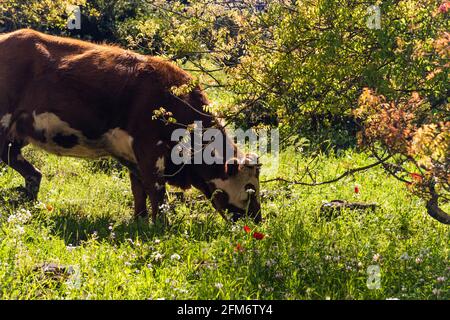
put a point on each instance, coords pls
(376, 257)
(356, 189)
(247, 229)
(238, 248)
(20, 230)
(157, 256)
(156, 241)
(392, 299)
(234, 228)
(436, 291)
(258, 235)
(218, 285)
(405, 256)
(49, 207)
(175, 257)
(440, 279)
(110, 227)
(419, 260)
(21, 216)
(270, 263)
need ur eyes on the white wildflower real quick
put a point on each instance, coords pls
(157, 256)
(270, 263)
(376, 257)
(405, 256)
(175, 256)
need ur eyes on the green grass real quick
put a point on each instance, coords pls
(90, 228)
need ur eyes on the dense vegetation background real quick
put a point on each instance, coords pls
(342, 94)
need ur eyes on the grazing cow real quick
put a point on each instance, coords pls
(75, 98)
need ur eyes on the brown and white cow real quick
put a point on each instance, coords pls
(75, 98)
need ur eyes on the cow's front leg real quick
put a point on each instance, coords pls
(139, 195)
(151, 166)
(156, 192)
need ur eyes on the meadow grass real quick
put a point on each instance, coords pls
(84, 222)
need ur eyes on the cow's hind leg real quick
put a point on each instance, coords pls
(11, 155)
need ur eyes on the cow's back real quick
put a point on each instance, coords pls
(27, 56)
(77, 98)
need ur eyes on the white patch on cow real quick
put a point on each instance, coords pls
(5, 121)
(160, 142)
(49, 124)
(235, 187)
(121, 144)
(160, 167)
(116, 142)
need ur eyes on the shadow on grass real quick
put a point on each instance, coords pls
(74, 228)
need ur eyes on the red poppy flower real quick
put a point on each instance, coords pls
(238, 248)
(356, 189)
(258, 235)
(247, 229)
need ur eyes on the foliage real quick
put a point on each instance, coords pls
(283, 63)
(414, 130)
(299, 59)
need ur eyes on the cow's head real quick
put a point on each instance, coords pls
(232, 186)
(238, 191)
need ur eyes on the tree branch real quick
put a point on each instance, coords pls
(345, 174)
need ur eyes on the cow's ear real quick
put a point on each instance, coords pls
(232, 167)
